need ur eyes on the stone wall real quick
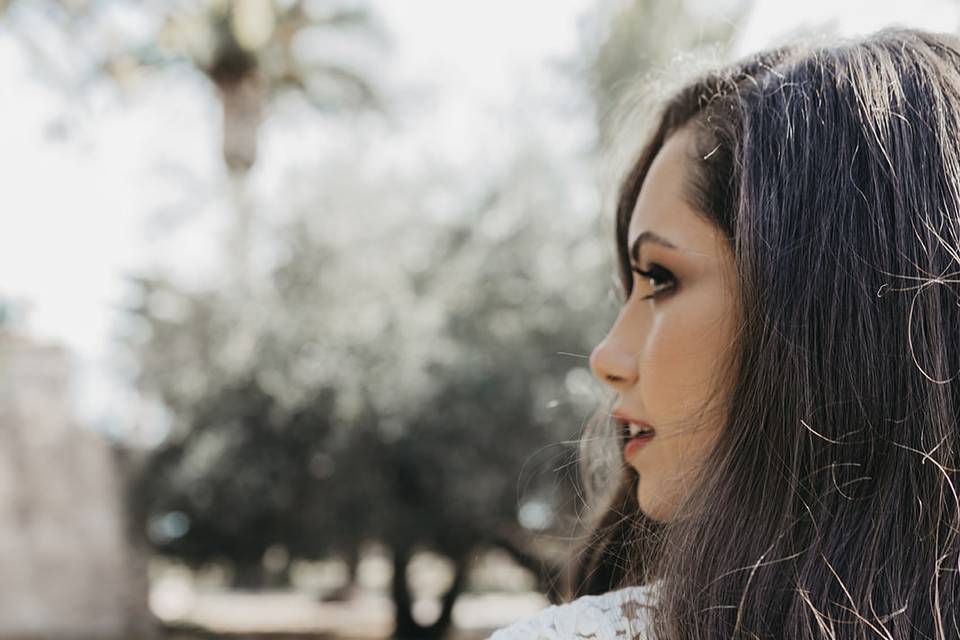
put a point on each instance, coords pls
(67, 569)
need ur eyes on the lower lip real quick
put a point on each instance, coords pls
(635, 444)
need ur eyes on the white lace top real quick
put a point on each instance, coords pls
(616, 615)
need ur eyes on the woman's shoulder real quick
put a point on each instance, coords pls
(610, 616)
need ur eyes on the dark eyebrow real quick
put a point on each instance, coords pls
(648, 236)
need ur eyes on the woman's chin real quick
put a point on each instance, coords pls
(650, 505)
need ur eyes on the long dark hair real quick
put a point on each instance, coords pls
(828, 508)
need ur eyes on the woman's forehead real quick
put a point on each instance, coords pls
(663, 205)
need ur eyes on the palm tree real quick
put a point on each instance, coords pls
(251, 50)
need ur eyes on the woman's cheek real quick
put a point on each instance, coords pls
(661, 373)
(678, 364)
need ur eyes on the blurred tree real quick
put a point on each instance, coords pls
(408, 385)
(237, 480)
(453, 478)
(253, 50)
(641, 35)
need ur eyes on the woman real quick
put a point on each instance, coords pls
(789, 350)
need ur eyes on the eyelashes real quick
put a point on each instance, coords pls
(662, 281)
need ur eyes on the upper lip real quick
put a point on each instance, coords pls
(626, 421)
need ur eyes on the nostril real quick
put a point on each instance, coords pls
(611, 363)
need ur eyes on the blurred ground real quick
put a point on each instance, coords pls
(198, 606)
(293, 615)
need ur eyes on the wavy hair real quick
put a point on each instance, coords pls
(828, 507)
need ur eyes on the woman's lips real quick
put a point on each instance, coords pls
(634, 444)
(635, 434)
(632, 426)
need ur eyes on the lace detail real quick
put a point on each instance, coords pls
(617, 615)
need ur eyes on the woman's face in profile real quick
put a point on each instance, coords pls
(669, 348)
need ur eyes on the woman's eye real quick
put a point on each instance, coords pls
(661, 280)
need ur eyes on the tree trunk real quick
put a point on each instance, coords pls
(547, 572)
(406, 627)
(445, 620)
(248, 576)
(346, 591)
(352, 558)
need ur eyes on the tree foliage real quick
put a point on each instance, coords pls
(643, 36)
(251, 51)
(412, 379)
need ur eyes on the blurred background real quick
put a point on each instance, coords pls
(298, 296)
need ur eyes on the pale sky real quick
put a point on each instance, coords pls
(89, 188)
(771, 20)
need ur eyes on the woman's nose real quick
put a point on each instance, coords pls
(613, 364)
